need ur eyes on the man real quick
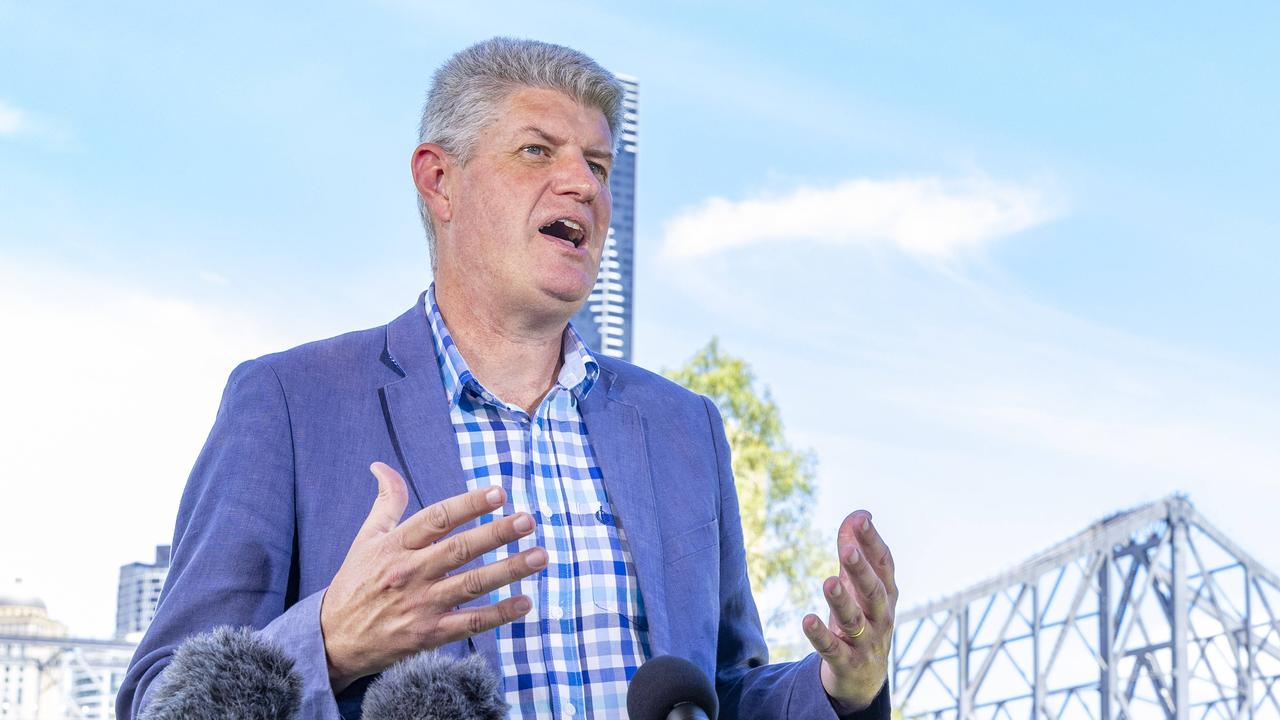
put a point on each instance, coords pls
(565, 516)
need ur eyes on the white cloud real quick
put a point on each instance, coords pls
(932, 218)
(12, 120)
(976, 423)
(108, 394)
(212, 277)
(18, 122)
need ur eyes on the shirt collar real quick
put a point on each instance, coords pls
(578, 369)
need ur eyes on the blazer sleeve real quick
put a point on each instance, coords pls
(749, 688)
(234, 547)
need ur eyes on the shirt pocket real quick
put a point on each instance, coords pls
(627, 612)
(689, 542)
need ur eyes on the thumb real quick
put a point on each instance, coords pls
(389, 506)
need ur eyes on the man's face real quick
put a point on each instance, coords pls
(530, 210)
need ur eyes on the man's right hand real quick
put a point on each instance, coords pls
(393, 595)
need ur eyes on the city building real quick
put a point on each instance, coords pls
(46, 674)
(605, 320)
(30, 675)
(138, 594)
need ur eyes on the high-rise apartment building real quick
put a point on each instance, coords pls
(139, 593)
(605, 320)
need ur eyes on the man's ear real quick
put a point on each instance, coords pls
(430, 166)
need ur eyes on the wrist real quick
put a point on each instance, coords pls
(339, 678)
(843, 707)
(877, 708)
(848, 698)
(341, 671)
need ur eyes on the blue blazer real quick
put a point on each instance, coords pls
(282, 485)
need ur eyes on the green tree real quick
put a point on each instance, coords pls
(787, 558)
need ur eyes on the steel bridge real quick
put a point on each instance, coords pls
(1149, 613)
(77, 678)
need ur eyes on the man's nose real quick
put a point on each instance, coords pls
(574, 176)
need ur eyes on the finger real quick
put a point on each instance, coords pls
(877, 553)
(439, 519)
(478, 582)
(869, 592)
(457, 550)
(847, 617)
(824, 641)
(389, 506)
(848, 533)
(461, 624)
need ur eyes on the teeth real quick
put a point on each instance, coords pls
(565, 229)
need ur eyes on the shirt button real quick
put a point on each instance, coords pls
(557, 612)
(571, 710)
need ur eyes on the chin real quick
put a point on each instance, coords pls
(574, 297)
(569, 290)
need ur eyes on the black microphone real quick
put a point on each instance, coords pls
(226, 674)
(435, 686)
(671, 688)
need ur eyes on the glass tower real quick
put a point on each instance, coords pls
(604, 321)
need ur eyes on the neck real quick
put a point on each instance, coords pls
(515, 356)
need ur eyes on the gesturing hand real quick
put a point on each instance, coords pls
(855, 648)
(393, 595)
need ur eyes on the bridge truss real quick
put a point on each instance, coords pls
(76, 678)
(1150, 613)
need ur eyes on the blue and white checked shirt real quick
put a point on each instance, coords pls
(575, 651)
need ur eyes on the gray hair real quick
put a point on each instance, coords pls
(468, 92)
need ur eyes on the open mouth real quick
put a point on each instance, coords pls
(566, 230)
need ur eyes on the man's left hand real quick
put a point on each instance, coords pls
(854, 644)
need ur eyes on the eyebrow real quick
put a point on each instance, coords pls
(595, 153)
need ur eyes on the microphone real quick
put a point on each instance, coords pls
(671, 688)
(435, 686)
(226, 674)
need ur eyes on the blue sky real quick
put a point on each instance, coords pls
(1005, 270)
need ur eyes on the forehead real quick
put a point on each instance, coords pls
(553, 113)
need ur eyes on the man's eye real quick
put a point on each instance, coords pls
(601, 171)
(534, 149)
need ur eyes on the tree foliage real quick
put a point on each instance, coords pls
(786, 559)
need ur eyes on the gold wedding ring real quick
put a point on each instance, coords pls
(858, 634)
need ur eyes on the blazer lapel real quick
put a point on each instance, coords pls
(422, 433)
(616, 431)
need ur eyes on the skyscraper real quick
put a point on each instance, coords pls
(139, 593)
(604, 321)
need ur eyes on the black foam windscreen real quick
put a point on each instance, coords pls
(226, 674)
(665, 682)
